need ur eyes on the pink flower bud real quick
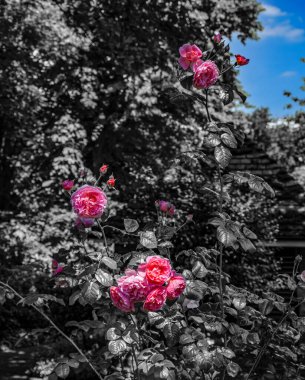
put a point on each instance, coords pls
(104, 168)
(217, 38)
(67, 184)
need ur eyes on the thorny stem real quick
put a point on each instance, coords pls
(104, 236)
(283, 319)
(220, 210)
(56, 328)
(136, 361)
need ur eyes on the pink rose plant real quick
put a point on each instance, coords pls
(89, 201)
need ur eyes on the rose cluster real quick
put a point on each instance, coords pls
(206, 73)
(152, 283)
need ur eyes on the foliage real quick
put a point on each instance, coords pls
(215, 329)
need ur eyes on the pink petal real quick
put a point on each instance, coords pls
(195, 65)
(196, 49)
(184, 49)
(184, 63)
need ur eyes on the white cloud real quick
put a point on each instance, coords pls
(288, 74)
(284, 30)
(272, 11)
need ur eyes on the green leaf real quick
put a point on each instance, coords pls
(117, 347)
(62, 370)
(254, 182)
(113, 334)
(212, 140)
(222, 155)
(239, 302)
(242, 96)
(226, 94)
(187, 82)
(247, 245)
(233, 369)
(73, 363)
(74, 297)
(171, 332)
(225, 236)
(229, 140)
(265, 306)
(104, 278)
(199, 270)
(131, 225)
(52, 376)
(248, 233)
(91, 292)
(148, 239)
(110, 263)
(190, 351)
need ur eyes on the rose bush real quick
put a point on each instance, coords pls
(173, 315)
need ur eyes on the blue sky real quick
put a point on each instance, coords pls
(275, 63)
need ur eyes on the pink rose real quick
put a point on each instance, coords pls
(121, 300)
(189, 56)
(155, 299)
(302, 276)
(89, 202)
(206, 75)
(134, 285)
(81, 223)
(175, 287)
(158, 270)
(67, 184)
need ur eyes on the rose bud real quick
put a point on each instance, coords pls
(241, 61)
(111, 182)
(172, 210)
(217, 38)
(104, 168)
(67, 184)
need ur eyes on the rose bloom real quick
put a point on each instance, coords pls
(189, 56)
(241, 61)
(84, 222)
(67, 184)
(302, 276)
(175, 287)
(206, 75)
(89, 202)
(155, 299)
(157, 269)
(121, 300)
(134, 285)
